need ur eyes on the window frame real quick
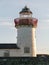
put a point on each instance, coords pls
(26, 49)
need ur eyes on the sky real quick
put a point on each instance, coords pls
(9, 10)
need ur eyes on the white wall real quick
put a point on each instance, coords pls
(24, 39)
(12, 52)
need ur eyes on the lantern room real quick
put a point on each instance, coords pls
(25, 12)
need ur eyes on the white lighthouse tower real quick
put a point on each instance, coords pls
(26, 32)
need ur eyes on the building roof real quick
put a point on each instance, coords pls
(9, 46)
(25, 9)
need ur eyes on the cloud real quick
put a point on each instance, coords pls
(43, 24)
(6, 22)
(44, 20)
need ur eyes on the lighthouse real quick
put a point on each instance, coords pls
(26, 32)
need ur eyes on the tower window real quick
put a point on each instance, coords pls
(26, 50)
(6, 53)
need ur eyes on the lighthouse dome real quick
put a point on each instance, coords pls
(25, 10)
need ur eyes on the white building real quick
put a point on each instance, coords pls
(26, 38)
